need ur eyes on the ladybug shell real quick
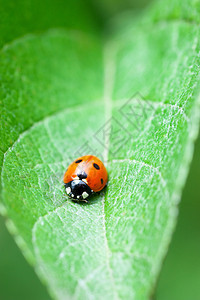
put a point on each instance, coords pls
(89, 169)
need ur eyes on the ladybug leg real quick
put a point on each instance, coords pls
(65, 196)
(84, 200)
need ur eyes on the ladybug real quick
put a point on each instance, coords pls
(85, 175)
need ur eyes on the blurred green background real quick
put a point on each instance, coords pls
(180, 275)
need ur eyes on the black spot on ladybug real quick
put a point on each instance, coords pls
(96, 166)
(78, 161)
(101, 180)
(82, 175)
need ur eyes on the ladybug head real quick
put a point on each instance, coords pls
(78, 189)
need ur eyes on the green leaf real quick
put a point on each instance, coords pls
(134, 101)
